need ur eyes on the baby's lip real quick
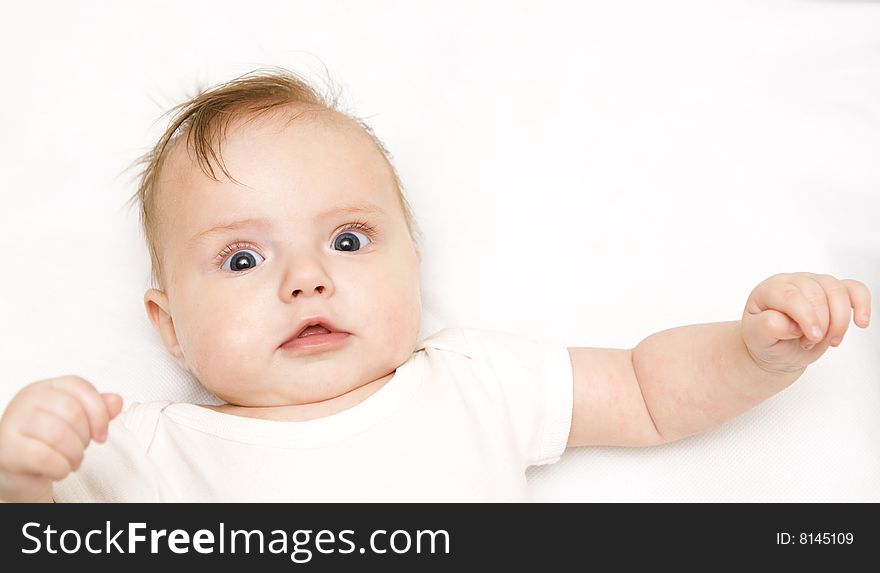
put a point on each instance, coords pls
(311, 321)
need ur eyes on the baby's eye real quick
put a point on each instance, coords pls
(241, 260)
(349, 241)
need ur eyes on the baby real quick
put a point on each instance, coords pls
(289, 287)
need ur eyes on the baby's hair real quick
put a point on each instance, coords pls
(206, 116)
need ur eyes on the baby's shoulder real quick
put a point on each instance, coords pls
(141, 417)
(448, 339)
(474, 342)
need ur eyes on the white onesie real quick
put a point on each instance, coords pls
(461, 420)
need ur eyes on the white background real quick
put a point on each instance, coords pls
(587, 172)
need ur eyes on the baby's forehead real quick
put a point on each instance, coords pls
(257, 149)
(300, 123)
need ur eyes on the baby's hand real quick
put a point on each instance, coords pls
(782, 312)
(44, 433)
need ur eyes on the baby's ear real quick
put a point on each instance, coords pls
(156, 303)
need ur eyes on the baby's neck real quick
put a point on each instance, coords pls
(305, 412)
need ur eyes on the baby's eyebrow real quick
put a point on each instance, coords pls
(365, 208)
(231, 226)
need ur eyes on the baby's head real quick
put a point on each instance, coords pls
(307, 219)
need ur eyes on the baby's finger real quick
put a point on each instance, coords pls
(40, 459)
(48, 428)
(770, 327)
(861, 301)
(839, 305)
(788, 298)
(69, 409)
(113, 403)
(94, 405)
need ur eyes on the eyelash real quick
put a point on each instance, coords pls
(238, 245)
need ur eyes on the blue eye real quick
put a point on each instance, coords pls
(349, 241)
(241, 260)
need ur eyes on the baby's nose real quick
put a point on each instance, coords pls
(319, 288)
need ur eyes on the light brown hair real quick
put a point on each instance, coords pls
(204, 119)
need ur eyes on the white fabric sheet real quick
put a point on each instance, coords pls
(588, 172)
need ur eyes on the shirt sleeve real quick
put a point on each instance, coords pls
(534, 378)
(118, 470)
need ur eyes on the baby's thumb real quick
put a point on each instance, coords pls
(113, 403)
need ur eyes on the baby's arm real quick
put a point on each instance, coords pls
(44, 433)
(686, 380)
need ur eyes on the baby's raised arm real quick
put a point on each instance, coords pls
(689, 379)
(44, 433)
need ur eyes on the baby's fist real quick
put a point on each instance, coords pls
(790, 319)
(44, 433)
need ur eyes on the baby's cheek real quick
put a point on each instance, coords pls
(220, 351)
(403, 322)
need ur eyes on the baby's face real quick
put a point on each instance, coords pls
(234, 296)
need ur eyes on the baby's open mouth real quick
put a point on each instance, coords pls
(313, 326)
(317, 329)
(315, 334)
